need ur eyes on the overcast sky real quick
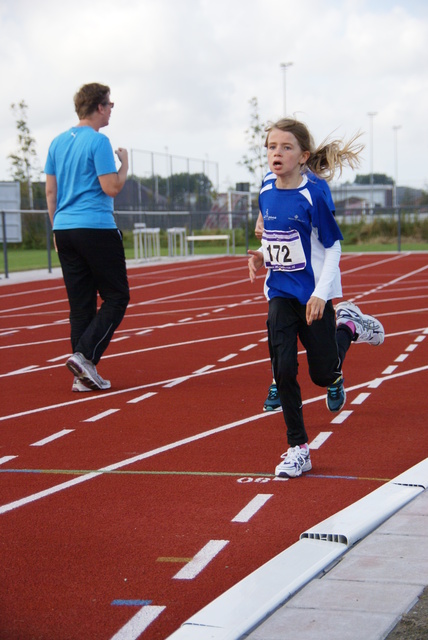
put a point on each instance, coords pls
(182, 73)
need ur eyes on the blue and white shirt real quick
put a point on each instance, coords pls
(299, 230)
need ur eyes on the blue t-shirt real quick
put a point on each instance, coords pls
(319, 182)
(299, 226)
(76, 158)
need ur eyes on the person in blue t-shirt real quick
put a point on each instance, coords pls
(273, 402)
(81, 183)
(301, 250)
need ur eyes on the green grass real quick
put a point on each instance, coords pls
(27, 259)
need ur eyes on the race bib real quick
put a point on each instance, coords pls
(283, 250)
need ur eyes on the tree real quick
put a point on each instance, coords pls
(25, 166)
(255, 160)
(378, 178)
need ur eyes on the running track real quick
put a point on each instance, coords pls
(123, 513)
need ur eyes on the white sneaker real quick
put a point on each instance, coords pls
(79, 386)
(295, 461)
(367, 328)
(86, 371)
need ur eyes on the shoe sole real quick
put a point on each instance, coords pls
(272, 408)
(78, 371)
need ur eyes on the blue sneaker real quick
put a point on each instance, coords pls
(336, 395)
(272, 402)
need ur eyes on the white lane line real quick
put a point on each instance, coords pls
(9, 333)
(145, 396)
(389, 369)
(248, 347)
(138, 623)
(54, 436)
(360, 398)
(31, 367)
(411, 347)
(124, 463)
(402, 357)
(343, 415)
(185, 320)
(143, 332)
(201, 560)
(374, 384)
(5, 459)
(320, 439)
(229, 357)
(102, 415)
(120, 338)
(252, 507)
(203, 369)
(175, 382)
(58, 358)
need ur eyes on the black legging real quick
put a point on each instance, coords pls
(325, 351)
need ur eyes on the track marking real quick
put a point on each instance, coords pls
(139, 623)
(54, 436)
(229, 357)
(343, 415)
(252, 507)
(181, 560)
(145, 396)
(389, 369)
(102, 415)
(320, 439)
(123, 463)
(401, 357)
(201, 560)
(242, 479)
(248, 347)
(360, 398)
(5, 459)
(131, 603)
(411, 347)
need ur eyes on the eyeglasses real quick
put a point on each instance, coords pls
(108, 104)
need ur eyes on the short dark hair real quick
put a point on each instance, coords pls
(88, 98)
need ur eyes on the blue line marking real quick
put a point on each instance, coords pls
(131, 603)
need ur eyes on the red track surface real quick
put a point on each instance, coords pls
(185, 444)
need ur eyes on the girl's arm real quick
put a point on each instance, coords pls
(316, 303)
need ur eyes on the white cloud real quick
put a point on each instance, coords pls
(182, 74)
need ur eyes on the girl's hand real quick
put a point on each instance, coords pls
(255, 261)
(314, 309)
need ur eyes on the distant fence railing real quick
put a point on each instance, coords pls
(36, 223)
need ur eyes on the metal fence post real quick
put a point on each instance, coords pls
(48, 241)
(3, 224)
(398, 229)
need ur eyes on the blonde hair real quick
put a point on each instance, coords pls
(328, 157)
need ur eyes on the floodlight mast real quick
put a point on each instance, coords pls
(284, 66)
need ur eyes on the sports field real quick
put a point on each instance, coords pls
(124, 512)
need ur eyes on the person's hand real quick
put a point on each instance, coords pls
(258, 231)
(122, 154)
(255, 261)
(314, 309)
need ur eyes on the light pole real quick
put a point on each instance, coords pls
(371, 115)
(284, 66)
(395, 129)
